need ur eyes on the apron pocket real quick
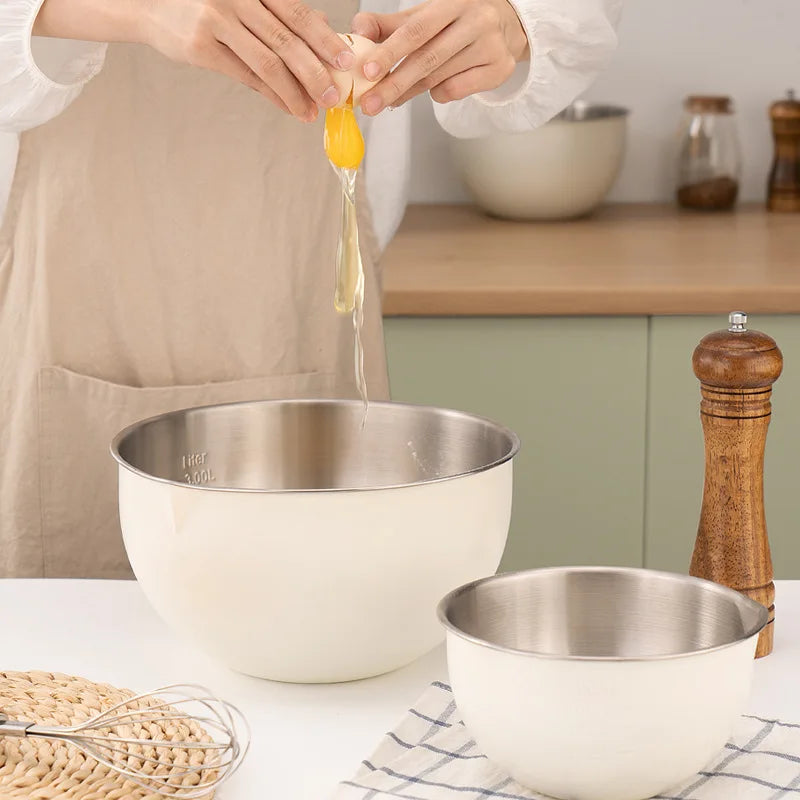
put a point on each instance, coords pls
(78, 418)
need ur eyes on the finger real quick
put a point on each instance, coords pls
(271, 70)
(413, 92)
(294, 52)
(316, 33)
(420, 64)
(420, 27)
(379, 27)
(228, 63)
(468, 58)
(477, 79)
(322, 15)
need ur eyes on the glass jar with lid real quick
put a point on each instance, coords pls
(709, 161)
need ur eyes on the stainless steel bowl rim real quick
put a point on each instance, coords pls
(732, 594)
(575, 113)
(590, 112)
(130, 429)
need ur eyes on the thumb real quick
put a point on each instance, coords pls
(378, 27)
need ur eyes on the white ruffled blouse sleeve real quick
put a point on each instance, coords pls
(571, 41)
(39, 77)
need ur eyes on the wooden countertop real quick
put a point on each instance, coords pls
(628, 259)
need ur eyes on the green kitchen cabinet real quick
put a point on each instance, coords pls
(611, 468)
(575, 390)
(675, 457)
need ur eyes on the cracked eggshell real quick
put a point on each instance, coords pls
(353, 78)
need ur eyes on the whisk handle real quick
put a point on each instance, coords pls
(13, 727)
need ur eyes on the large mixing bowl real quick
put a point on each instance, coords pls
(600, 683)
(561, 170)
(293, 545)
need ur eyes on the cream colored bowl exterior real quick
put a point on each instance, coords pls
(312, 587)
(592, 730)
(561, 170)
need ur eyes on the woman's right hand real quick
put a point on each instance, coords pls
(280, 48)
(283, 49)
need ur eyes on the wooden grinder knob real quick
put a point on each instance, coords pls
(736, 368)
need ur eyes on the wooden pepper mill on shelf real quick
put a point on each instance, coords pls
(783, 185)
(736, 368)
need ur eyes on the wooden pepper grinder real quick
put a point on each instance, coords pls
(783, 187)
(736, 368)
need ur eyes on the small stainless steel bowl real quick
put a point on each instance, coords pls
(293, 545)
(601, 613)
(600, 683)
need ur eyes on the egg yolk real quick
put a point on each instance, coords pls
(344, 144)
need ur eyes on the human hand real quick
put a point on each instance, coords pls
(280, 48)
(452, 48)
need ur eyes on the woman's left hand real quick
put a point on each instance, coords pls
(452, 48)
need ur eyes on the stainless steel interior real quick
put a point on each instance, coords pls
(312, 445)
(580, 112)
(601, 613)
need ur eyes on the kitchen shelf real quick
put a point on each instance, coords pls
(628, 259)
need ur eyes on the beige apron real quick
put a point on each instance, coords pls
(169, 242)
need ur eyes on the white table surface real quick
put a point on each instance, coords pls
(305, 738)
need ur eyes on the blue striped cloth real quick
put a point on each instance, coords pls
(430, 756)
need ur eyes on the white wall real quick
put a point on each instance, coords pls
(749, 49)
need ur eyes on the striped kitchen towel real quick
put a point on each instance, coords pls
(430, 756)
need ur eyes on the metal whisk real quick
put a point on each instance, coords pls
(138, 738)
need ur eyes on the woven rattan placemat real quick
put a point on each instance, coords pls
(42, 770)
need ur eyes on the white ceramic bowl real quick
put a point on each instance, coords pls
(561, 170)
(600, 683)
(292, 545)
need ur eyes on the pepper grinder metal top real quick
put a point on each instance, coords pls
(737, 322)
(736, 368)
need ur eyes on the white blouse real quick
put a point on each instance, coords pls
(570, 41)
